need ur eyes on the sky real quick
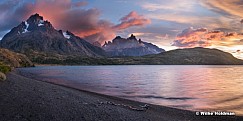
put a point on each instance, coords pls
(170, 24)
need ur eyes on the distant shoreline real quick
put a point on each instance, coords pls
(23, 98)
(191, 56)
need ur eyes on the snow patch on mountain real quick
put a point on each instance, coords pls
(66, 35)
(41, 23)
(26, 27)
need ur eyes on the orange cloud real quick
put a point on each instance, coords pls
(203, 38)
(68, 15)
(191, 38)
(132, 19)
(214, 35)
(85, 23)
(231, 7)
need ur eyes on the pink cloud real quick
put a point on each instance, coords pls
(132, 19)
(201, 37)
(191, 38)
(68, 15)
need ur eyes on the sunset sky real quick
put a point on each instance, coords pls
(170, 24)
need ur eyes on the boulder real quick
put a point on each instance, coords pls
(2, 76)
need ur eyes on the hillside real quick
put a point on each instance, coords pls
(191, 56)
(13, 59)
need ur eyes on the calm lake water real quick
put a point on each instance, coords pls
(185, 87)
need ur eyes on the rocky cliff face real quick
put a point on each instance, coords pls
(130, 47)
(37, 36)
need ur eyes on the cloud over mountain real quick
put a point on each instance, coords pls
(67, 15)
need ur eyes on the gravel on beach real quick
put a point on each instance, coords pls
(26, 99)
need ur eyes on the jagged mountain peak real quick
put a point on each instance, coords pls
(132, 37)
(37, 36)
(37, 22)
(34, 18)
(118, 37)
(33, 23)
(130, 47)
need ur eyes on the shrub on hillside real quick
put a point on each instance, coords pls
(4, 69)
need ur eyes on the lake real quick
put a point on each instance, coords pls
(187, 87)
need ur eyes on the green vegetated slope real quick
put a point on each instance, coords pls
(9, 59)
(191, 56)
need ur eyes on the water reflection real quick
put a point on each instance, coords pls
(186, 87)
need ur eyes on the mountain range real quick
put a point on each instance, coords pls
(36, 37)
(42, 43)
(130, 47)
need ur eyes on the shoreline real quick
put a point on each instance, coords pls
(24, 98)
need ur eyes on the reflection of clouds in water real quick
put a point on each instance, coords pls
(186, 87)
